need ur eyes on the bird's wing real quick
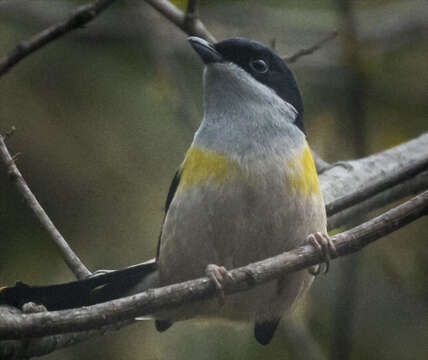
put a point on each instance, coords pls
(92, 290)
(171, 192)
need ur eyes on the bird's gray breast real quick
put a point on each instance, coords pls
(253, 215)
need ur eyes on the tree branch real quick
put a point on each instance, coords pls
(310, 50)
(345, 177)
(81, 16)
(28, 348)
(394, 194)
(180, 19)
(70, 258)
(191, 15)
(396, 177)
(166, 298)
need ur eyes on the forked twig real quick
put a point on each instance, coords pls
(310, 50)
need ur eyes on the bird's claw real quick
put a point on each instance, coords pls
(326, 247)
(219, 275)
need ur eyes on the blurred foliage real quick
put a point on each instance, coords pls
(180, 3)
(102, 123)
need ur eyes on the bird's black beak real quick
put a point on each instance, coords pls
(205, 50)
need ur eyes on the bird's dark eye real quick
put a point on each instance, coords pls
(259, 66)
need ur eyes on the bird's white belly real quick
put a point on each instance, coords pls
(232, 225)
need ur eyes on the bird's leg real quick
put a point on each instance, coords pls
(219, 275)
(325, 246)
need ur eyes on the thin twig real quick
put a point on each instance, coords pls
(310, 50)
(81, 16)
(71, 259)
(244, 278)
(9, 133)
(191, 15)
(177, 17)
(369, 190)
(272, 44)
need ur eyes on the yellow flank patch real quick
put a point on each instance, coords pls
(201, 165)
(304, 176)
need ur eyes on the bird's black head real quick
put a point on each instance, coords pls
(259, 61)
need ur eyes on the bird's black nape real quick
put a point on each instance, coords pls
(266, 67)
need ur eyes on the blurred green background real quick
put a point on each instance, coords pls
(104, 116)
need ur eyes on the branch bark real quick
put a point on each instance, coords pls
(244, 278)
(345, 177)
(394, 194)
(81, 16)
(396, 177)
(27, 348)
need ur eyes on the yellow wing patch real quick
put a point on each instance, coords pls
(201, 165)
(304, 176)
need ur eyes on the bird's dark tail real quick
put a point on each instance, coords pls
(94, 290)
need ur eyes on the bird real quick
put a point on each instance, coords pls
(246, 190)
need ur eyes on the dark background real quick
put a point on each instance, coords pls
(105, 115)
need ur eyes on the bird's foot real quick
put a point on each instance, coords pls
(326, 247)
(220, 276)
